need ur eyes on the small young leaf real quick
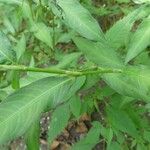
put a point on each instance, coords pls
(100, 53)
(75, 106)
(118, 34)
(58, 122)
(43, 33)
(114, 146)
(139, 41)
(67, 60)
(121, 121)
(91, 139)
(6, 52)
(20, 47)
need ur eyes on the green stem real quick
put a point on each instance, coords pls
(99, 70)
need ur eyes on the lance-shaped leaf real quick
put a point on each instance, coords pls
(100, 53)
(18, 2)
(80, 20)
(134, 82)
(118, 34)
(20, 47)
(91, 139)
(139, 41)
(58, 122)
(119, 118)
(43, 33)
(24, 5)
(141, 1)
(32, 136)
(6, 52)
(19, 110)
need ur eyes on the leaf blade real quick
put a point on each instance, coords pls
(32, 136)
(43, 33)
(90, 140)
(6, 52)
(100, 53)
(26, 105)
(119, 33)
(80, 20)
(139, 41)
(58, 122)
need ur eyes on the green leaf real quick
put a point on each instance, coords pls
(106, 133)
(100, 53)
(147, 135)
(67, 60)
(20, 47)
(27, 11)
(75, 106)
(91, 80)
(114, 146)
(133, 83)
(143, 59)
(24, 5)
(3, 95)
(9, 25)
(119, 33)
(16, 80)
(107, 92)
(32, 136)
(120, 120)
(19, 110)
(58, 122)
(135, 114)
(6, 52)
(123, 1)
(139, 41)
(141, 1)
(43, 33)
(141, 146)
(110, 137)
(80, 20)
(11, 1)
(91, 139)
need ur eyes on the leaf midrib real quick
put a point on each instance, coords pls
(75, 17)
(32, 102)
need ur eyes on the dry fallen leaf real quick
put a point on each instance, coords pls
(81, 128)
(54, 145)
(85, 117)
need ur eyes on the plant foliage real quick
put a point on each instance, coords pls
(66, 57)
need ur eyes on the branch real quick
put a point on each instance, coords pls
(97, 70)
